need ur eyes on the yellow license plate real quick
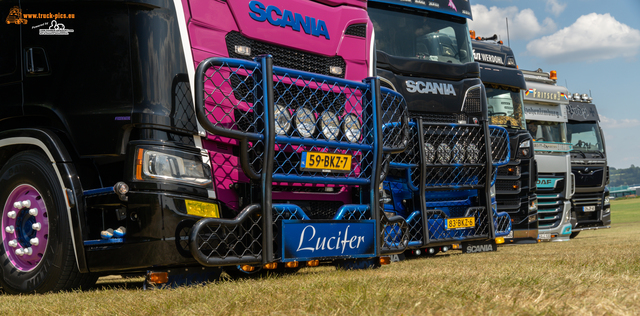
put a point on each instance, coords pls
(461, 222)
(325, 162)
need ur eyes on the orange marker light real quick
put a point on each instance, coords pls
(553, 75)
(472, 33)
(271, 266)
(293, 264)
(139, 164)
(385, 260)
(247, 268)
(313, 263)
(158, 277)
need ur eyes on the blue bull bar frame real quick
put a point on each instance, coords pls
(427, 224)
(255, 90)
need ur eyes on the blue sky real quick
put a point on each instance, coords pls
(592, 44)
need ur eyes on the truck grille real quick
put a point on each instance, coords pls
(550, 203)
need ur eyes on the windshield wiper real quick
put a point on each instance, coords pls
(580, 151)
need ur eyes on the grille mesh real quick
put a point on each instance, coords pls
(359, 30)
(285, 57)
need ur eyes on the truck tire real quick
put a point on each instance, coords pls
(36, 253)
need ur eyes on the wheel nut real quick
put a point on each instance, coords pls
(34, 241)
(17, 205)
(9, 229)
(13, 243)
(20, 252)
(12, 215)
(28, 251)
(36, 226)
(33, 212)
(26, 203)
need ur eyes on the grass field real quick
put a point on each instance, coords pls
(594, 274)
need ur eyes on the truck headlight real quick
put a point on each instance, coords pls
(351, 128)
(524, 148)
(305, 122)
(472, 153)
(429, 153)
(458, 153)
(606, 200)
(283, 120)
(329, 125)
(444, 153)
(171, 165)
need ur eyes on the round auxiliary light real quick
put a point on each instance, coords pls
(283, 120)
(305, 122)
(329, 125)
(458, 153)
(472, 153)
(429, 153)
(444, 153)
(351, 128)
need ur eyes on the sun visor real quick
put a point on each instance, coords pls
(546, 93)
(584, 112)
(460, 8)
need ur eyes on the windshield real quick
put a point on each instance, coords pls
(585, 136)
(505, 106)
(421, 34)
(542, 131)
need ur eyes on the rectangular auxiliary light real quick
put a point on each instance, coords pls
(335, 70)
(202, 209)
(243, 50)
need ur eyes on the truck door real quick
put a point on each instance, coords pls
(10, 60)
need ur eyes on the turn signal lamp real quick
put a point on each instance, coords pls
(553, 75)
(247, 268)
(158, 277)
(313, 263)
(472, 33)
(202, 209)
(385, 260)
(271, 266)
(499, 240)
(292, 264)
(456, 246)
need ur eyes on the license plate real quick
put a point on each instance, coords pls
(306, 240)
(591, 208)
(325, 162)
(462, 222)
(546, 236)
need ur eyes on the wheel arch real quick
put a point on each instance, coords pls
(15, 141)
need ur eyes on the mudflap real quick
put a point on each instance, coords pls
(181, 277)
(357, 264)
(479, 246)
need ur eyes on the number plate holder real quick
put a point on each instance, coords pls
(325, 162)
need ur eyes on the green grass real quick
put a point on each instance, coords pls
(594, 274)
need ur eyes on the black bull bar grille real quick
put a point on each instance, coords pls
(238, 99)
(451, 157)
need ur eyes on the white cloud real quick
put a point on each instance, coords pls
(523, 24)
(554, 7)
(609, 123)
(592, 37)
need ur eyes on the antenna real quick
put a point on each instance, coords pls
(508, 40)
(591, 95)
(566, 85)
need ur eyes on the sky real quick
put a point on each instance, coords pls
(594, 45)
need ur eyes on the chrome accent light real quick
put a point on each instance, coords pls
(473, 153)
(305, 122)
(429, 153)
(283, 120)
(444, 153)
(351, 128)
(329, 125)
